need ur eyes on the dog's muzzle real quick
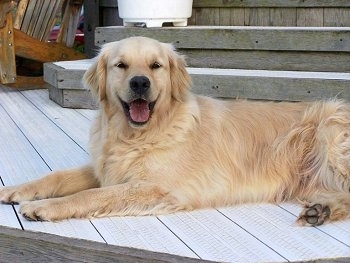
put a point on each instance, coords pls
(139, 108)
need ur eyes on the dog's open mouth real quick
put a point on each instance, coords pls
(138, 111)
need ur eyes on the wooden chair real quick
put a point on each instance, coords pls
(24, 33)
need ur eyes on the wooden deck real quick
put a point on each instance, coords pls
(37, 136)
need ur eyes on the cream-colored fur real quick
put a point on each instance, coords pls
(194, 151)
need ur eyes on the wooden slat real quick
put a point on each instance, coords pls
(292, 242)
(25, 82)
(28, 16)
(339, 231)
(32, 48)
(283, 17)
(310, 17)
(270, 3)
(269, 85)
(51, 18)
(243, 38)
(337, 17)
(212, 236)
(35, 16)
(62, 76)
(20, 13)
(42, 19)
(65, 119)
(50, 248)
(206, 16)
(256, 17)
(7, 52)
(268, 60)
(143, 233)
(69, 24)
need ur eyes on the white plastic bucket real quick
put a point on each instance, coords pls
(153, 13)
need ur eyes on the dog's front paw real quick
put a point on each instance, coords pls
(314, 215)
(14, 195)
(41, 210)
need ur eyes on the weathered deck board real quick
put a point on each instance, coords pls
(283, 235)
(141, 232)
(37, 135)
(213, 236)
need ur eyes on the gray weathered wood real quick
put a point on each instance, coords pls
(257, 85)
(268, 60)
(20, 246)
(72, 98)
(241, 38)
(271, 3)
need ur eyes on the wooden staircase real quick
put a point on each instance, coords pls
(270, 63)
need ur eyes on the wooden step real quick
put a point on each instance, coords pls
(67, 90)
(266, 48)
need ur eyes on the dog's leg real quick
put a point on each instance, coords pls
(324, 207)
(117, 200)
(56, 184)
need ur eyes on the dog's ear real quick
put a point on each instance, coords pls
(180, 79)
(95, 77)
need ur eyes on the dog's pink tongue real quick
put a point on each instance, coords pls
(139, 111)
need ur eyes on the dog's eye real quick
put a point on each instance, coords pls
(121, 65)
(155, 65)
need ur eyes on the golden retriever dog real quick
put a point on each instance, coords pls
(157, 148)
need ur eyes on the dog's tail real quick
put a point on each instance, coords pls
(318, 149)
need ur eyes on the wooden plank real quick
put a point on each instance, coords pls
(51, 19)
(8, 217)
(143, 233)
(241, 38)
(28, 16)
(294, 86)
(42, 19)
(89, 114)
(337, 17)
(25, 82)
(35, 15)
(66, 74)
(69, 23)
(268, 60)
(41, 247)
(270, 3)
(213, 237)
(65, 119)
(20, 13)
(292, 242)
(32, 48)
(73, 98)
(7, 52)
(310, 17)
(257, 17)
(206, 16)
(283, 16)
(339, 230)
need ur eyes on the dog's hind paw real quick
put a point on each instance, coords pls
(314, 215)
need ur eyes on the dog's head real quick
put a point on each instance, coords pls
(140, 76)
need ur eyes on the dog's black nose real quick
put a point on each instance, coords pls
(140, 84)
